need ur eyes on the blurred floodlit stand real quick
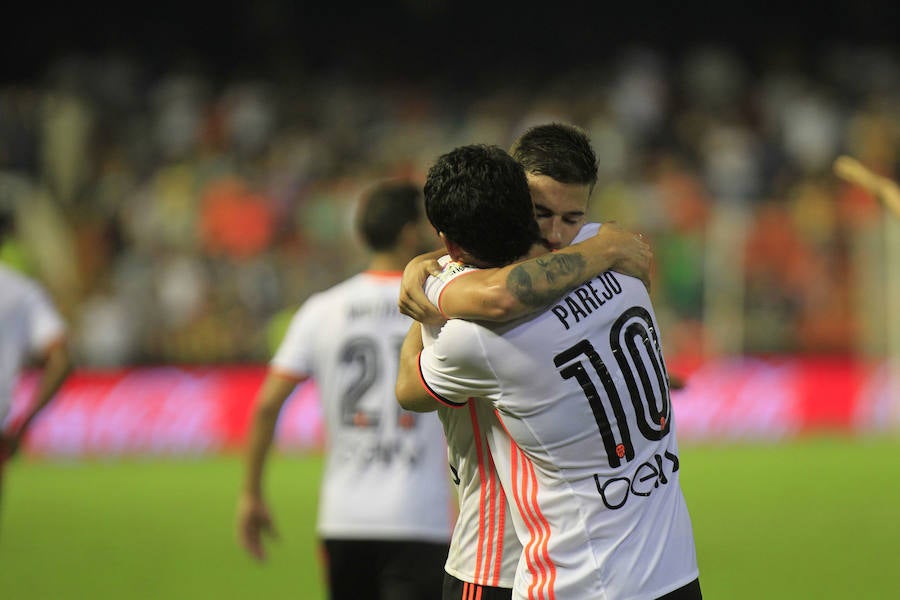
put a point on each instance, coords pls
(174, 214)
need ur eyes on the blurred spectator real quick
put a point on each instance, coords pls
(105, 331)
(209, 205)
(233, 220)
(66, 125)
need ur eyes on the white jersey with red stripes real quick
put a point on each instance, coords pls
(484, 548)
(385, 473)
(29, 325)
(582, 391)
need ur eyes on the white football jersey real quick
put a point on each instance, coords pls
(29, 324)
(484, 549)
(385, 473)
(582, 392)
(587, 230)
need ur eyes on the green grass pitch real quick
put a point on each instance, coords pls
(813, 518)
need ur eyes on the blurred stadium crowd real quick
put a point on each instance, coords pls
(178, 217)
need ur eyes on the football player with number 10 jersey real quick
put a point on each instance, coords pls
(580, 393)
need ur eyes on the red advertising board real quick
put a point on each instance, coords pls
(180, 410)
(162, 410)
(769, 399)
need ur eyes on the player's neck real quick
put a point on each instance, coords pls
(460, 255)
(386, 261)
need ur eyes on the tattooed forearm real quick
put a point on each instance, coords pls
(539, 281)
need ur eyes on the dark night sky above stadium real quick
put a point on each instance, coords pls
(415, 38)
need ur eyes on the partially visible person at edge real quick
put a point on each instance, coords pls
(484, 550)
(584, 442)
(32, 334)
(385, 468)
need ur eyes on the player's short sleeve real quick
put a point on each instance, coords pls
(45, 325)
(296, 355)
(454, 367)
(435, 284)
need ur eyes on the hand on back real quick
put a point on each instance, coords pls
(413, 302)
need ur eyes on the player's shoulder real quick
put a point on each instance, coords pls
(17, 284)
(318, 302)
(450, 270)
(588, 230)
(13, 277)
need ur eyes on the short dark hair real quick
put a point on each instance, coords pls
(384, 210)
(478, 197)
(559, 151)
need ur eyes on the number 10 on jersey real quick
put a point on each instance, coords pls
(635, 345)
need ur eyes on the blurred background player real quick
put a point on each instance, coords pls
(385, 506)
(599, 513)
(32, 332)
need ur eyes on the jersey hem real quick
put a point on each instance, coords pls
(504, 583)
(672, 587)
(432, 393)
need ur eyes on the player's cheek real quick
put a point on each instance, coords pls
(568, 233)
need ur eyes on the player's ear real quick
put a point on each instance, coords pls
(455, 252)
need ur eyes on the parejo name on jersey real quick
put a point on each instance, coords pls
(586, 298)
